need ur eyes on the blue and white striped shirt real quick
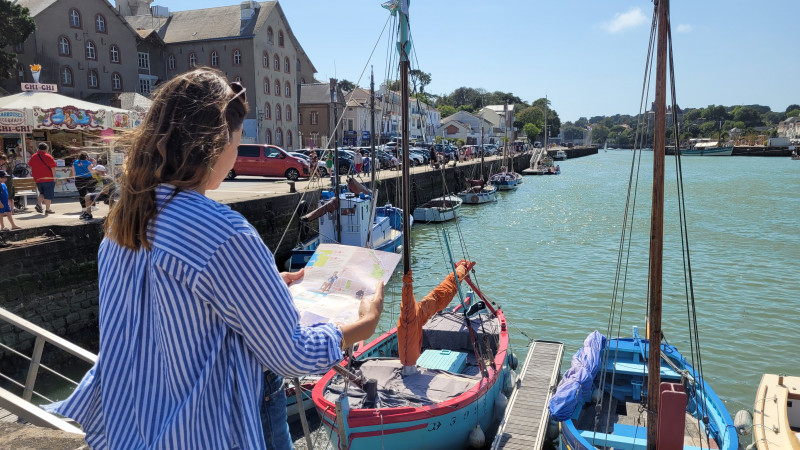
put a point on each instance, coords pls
(185, 329)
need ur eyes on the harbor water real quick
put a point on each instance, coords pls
(547, 253)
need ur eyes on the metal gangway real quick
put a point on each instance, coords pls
(14, 408)
(524, 426)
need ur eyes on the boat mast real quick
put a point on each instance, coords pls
(372, 129)
(657, 229)
(337, 220)
(505, 143)
(405, 48)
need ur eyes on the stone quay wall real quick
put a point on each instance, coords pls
(51, 278)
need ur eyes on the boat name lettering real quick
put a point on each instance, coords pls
(434, 426)
(453, 421)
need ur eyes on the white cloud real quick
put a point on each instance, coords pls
(623, 21)
(684, 29)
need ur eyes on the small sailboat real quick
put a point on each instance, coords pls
(431, 382)
(610, 397)
(439, 209)
(506, 179)
(479, 192)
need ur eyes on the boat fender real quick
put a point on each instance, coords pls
(500, 403)
(743, 422)
(476, 437)
(513, 362)
(508, 384)
(596, 396)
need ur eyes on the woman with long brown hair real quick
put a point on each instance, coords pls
(196, 324)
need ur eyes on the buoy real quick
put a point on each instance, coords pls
(508, 384)
(500, 403)
(743, 422)
(476, 437)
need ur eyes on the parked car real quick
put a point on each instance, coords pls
(267, 161)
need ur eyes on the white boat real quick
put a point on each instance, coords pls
(706, 147)
(478, 193)
(440, 209)
(776, 418)
(561, 155)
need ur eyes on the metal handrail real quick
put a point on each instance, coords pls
(42, 337)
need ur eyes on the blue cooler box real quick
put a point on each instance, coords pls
(443, 359)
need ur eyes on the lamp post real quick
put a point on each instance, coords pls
(259, 118)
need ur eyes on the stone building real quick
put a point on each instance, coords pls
(316, 113)
(250, 42)
(85, 47)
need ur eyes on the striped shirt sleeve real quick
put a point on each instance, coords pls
(242, 284)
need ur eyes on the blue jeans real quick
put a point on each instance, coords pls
(273, 414)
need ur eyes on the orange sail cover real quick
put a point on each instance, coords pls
(413, 314)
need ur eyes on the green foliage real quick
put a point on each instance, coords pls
(17, 25)
(446, 110)
(692, 115)
(747, 114)
(347, 85)
(793, 106)
(599, 133)
(793, 113)
(420, 79)
(393, 85)
(532, 115)
(572, 132)
(531, 131)
(460, 142)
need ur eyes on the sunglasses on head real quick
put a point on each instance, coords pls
(238, 90)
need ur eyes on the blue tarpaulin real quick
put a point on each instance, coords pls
(575, 387)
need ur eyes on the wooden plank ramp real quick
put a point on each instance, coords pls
(524, 425)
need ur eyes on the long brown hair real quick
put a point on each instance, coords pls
(188, 125)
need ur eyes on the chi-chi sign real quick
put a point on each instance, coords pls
(13, 121)
(36, 87)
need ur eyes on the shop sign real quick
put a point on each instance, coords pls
(15, 128)
(36, 87)
(69, 117)
(13, 121)
(365, 135)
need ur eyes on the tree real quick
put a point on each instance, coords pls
(533, 115)
(793, 113)
(446, 110)
(791, 108)
(421, 78)
(17, 25)
(347, 85)
(599, 133)
(393, 85)
(532, 131)
(747, 114)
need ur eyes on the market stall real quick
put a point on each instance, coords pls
(67, 124)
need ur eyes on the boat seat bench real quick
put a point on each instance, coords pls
(624, 441)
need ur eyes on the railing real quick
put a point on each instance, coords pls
(22, 406)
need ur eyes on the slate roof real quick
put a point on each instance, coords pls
(129, 100)
(313, 94)
(34, 6)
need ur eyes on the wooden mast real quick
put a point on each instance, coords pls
(405, 49)
(657, 229)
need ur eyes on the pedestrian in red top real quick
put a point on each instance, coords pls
(43, 167)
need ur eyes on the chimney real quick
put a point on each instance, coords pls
(249, 9)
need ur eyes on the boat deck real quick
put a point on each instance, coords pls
(525, 423)
(7, 416)
(628, 419)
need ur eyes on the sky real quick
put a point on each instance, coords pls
(587, 56)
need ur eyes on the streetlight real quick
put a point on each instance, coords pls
(260, 117)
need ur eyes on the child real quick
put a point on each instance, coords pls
(107, 192)
(5, 208)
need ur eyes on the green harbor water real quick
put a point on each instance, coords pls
(547, 253)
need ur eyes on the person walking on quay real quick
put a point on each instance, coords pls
(106, 194)
(82, 172)
(6, 210)
(434, 160)
(358, 161)
(313, 162)
(4, 165)
(197, 327)
(43, 167)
